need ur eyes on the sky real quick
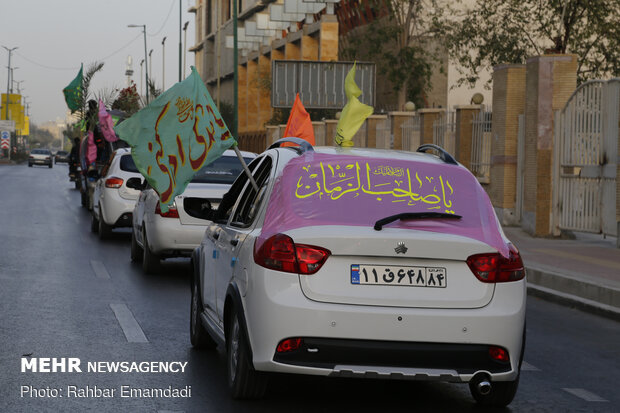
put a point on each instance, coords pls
(55, 36)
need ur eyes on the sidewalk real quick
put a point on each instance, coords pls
(583, 272)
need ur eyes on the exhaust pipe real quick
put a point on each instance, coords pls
(482, 383)
(484, 387)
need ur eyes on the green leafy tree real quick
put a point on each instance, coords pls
(401, 39)
(509, 31)
(92, 69)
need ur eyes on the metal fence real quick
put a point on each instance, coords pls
(411, 133)
(444, 131)
(384, 134)
(480, 162)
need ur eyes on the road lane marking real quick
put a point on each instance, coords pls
(525, 366)
(585, 395)
(99, 269)
(132, 330)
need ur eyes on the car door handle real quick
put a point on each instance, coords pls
(234, 242)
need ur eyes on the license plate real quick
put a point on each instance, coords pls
(431, 277)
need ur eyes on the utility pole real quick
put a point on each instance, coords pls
(185, 51)
(180, 45)
(151, 64)
(163, 64)
(8, 84)
(146, 64)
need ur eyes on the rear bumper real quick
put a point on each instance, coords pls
(455, 340)
(116, 210)
(168, 237)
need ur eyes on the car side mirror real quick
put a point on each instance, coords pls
(198, 208)
(135, 183)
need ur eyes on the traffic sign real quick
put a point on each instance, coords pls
(5, 139)
(4, 144)
(6, 134)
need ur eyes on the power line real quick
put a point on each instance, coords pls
(77, 67)
(172, 3)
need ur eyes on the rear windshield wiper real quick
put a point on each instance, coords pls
(413, 215)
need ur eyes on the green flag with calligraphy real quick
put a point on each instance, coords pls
(73, 92)
(175, 135)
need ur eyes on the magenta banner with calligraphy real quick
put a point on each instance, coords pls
(324, 189)
(175, 135)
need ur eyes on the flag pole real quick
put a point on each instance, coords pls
(245, 168)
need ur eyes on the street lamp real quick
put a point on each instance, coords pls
(8, 84)
(141, 78)
(185, 48)
(145, 63)
(163, 64)
(150, 61)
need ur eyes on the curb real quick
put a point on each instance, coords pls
(567, 290)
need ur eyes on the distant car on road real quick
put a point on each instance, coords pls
(368, 263)
(157, 235)
(113, 200)
(61, 156)
(41, 157)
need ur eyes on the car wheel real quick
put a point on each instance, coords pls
(243, 381)
(29, 165)
(150, 261)
(77, 184)
(198, 334)
(136, 250)
(94, 224)
(84, 199)
(104, 229)
(50, 165)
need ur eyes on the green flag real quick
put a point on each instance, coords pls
(73, 92)
(175, 135)
(353, 114)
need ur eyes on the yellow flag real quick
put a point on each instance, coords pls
(353, 114)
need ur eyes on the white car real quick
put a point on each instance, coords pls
(113, 200)
(157, 235)
(360, 263)
(41, 157)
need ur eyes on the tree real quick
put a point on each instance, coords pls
(401, 37)
(128, 100)
(510, 31)
(92, 69)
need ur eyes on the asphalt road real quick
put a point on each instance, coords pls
(65, 293)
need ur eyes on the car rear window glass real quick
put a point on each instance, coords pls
(40, 152)
(325, 189)
(127, 164)
(223, 170)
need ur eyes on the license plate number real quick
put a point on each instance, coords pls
(431, 277)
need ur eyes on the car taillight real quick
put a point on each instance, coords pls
(495, 268)
(172, 211)
(499, 354)
(30, 157)
(113, 182)
(279, 252)
(289, 344)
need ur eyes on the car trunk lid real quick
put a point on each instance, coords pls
(394, 267)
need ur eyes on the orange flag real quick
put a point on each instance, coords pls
(299, 124)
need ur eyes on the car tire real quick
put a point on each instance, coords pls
(198, 334)
(29, 165)
(50, 165)
(104, 229)
(77, 184)
(150, 261)
(84, 199)
(136, 250)
(94, 224)
(243, 381)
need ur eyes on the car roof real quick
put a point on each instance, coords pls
(228, 152)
